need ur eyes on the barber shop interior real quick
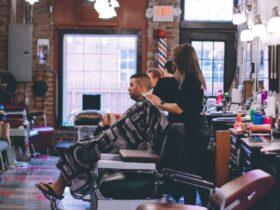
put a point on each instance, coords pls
(139, 105)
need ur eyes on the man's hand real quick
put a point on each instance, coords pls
(110, 118)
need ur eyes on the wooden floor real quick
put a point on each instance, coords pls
(17, 190)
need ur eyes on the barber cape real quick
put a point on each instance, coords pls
(137, 129)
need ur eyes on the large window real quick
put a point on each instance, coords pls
(206, 10)
(97, 64)
(211, 58)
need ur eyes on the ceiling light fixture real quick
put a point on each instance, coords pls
(238, 16)
(259, 29)
(31, 2)
(246, 35)
(106, 8)
(274, 22)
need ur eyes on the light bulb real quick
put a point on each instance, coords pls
(246, 35)
(108, 12)
(115, 3)
(31, 2)
(259, 29)
(238, 18)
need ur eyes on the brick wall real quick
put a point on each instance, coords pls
(4, 20)
(172, 29)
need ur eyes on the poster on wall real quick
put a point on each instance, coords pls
(43, 46)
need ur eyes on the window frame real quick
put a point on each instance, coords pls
(60, 75)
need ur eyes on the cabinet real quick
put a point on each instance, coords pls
(20, 51)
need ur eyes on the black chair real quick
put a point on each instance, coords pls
(122, 183)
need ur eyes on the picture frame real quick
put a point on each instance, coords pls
(43, 46)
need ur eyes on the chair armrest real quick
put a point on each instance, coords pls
(139, 156)
(107, 156)
(109, 164)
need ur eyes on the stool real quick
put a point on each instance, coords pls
(44, 139)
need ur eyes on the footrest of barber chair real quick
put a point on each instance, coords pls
(35, 154)
(128, 185)
(244, 191)
(166, 206)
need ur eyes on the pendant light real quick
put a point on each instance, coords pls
(273, 25)
(106, 8)
(238, 17)
(259, 29)
(31, 2)
(246, 35)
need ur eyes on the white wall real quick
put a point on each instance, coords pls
(264, 8)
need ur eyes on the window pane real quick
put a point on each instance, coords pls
(74, 44)
(219, 50)
(198, 47)
(92, 62)
(207, 69)
(207, 50)
(205, 10)
(74, 62)
(109, 80)
(92, 44)
(109, 62)
(109, 45)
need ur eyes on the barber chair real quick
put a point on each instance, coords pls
(45, 133)
(252, 190)
(125, 180)
(16, 117)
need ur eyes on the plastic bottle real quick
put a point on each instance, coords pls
(238, 123)
(219, 97)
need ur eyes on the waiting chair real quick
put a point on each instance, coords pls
(43, 140)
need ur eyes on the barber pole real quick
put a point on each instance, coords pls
(162, 49)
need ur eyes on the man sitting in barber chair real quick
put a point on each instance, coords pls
(137, 129)
(139, 84)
